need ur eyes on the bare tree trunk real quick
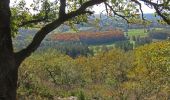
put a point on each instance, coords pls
(8, 70)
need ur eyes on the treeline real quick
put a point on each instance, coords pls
(72, 49)
(152, 36)
(91, 38)
(159, 34)
(135, 75)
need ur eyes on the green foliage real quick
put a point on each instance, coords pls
(124, 45)
(150, 70)
(81, 96)
(48, 10)
(17, 18)
(139, 74)
(136, 32)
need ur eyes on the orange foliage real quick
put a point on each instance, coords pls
(114, 34)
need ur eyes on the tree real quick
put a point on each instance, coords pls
(150, 70)
(50, 16)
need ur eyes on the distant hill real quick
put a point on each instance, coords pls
(151, 17)
(101, 22)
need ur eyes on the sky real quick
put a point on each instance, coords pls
(98, 9)
(145, 8)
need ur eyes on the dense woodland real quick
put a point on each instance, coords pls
(134, 75)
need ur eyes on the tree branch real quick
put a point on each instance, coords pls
(32, 21)
(140, 7)
(40, 35)
(52, 76)
(115, 13)
(162, 16)
(107, 11)
(62, 8)
(157, 7)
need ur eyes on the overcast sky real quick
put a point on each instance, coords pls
(100, 7)
(145, 8)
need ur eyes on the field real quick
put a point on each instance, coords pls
(137, 32)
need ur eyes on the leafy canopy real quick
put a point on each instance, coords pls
(41, 12)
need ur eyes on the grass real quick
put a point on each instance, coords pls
(136, 32)
(98, 48)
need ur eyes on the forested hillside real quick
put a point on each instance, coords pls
(135, 75)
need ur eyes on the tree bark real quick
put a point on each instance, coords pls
(8, 70)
